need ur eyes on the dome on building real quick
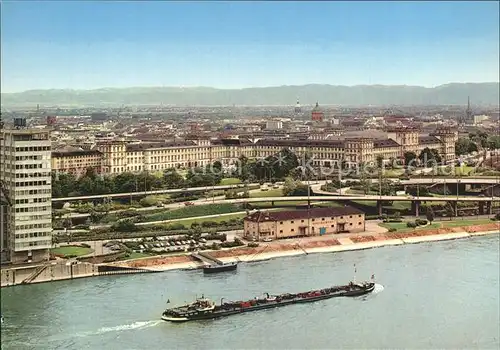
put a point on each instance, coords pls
(317, 114)
(316, 108)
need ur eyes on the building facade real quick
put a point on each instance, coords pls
(261, 226)
(25, 174)
(116, 157)
(76, 161)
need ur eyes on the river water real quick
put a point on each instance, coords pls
(430, 295)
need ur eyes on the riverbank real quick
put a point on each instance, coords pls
(330, 245)
(63, 270)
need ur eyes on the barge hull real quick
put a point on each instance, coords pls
(269, 305)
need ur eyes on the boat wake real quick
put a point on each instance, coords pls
(378, 288)
(127, 327)
(123, 327)
(103, 330)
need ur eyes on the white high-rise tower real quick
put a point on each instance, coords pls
(25, 175)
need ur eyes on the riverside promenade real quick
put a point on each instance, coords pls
(330, 244)
(67, 269)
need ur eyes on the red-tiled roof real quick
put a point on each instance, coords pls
(302, 214)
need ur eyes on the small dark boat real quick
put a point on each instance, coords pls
(203, 309)
(220, 267)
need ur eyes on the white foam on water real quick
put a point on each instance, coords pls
(378, 288)
(125, 327)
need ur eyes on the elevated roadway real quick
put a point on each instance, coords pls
(154, 192)
(429, 180)
(361, 198)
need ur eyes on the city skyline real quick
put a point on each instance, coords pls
(92, 45)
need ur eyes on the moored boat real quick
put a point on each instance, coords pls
(203, 308)
(220, 267)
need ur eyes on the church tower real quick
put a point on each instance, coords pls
(317, 114)
(298, 109)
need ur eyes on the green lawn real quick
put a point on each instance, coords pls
(273, 192)
(188, 222)
(401, 226)
(399, 205)
(192, 211)
(466, 222)
(230, 181)
(393, 172)
(71, 250)
(465, 170)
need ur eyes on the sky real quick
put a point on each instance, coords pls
(97, 44)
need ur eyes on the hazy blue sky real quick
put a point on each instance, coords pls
(94, 44)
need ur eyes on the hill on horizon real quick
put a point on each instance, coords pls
(485, 94)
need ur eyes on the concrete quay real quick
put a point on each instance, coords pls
(348, 245)
(58, 271)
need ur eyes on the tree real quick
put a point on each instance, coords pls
(429, 156)
(199, 177)
(63, 184)
(409, 158)
(494, 142)
(172, 179)
(95, 217)
(124, 226)
(429, 214)
(289, 186)
(420, 190)
(387, 188)
(464, 146)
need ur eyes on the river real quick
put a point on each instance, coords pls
(430, 295)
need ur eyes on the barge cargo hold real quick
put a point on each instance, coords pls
(203, 308)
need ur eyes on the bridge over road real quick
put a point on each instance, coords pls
(414, 181)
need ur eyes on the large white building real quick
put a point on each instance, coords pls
(26, 215)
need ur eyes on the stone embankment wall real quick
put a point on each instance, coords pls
(45, 273)
(99, 259)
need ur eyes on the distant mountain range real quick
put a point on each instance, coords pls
(359, 95)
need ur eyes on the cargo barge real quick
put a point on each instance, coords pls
(204, 308)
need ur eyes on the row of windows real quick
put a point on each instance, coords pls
(33, 192)
(33, 244)
(28, 175)
(31, 235)
(332, 226)
(322, 219)
(32, 226)
(32, 183)
(32, 200)
(33, 149)
(76, 161)
(29, 166)
(33, 209)
(36, 157)
(34, 217)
